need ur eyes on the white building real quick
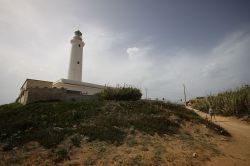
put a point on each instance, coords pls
(64, 89)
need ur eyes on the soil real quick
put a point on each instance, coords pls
(236, 151)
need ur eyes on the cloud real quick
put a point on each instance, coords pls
(164, 74)
(133, 52)
(224, 66)
(213, 70)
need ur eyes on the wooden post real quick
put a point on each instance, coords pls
(185, 98)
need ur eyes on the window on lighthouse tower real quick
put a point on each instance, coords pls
(78, 62)
(79, 45)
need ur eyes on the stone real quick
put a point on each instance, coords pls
(194, 155)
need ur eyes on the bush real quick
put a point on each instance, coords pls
(121, 93)
(103, 133)
(232, 102)
(140, 115)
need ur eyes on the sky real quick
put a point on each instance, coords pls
(157, 45)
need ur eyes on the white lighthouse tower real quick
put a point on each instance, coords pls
(75, 63)
(74, 83)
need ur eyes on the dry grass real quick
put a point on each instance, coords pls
(232, 102)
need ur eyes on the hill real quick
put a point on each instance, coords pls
(105, 133)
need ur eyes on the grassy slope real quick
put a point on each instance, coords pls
(50, 123)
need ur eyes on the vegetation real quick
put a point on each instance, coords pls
(121, 93)
(62, 155)
(232, 102)
(76, 140)
(49, 123)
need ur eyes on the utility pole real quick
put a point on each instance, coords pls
(146, 93)
(185, 98)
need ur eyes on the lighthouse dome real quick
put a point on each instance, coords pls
(78, 33)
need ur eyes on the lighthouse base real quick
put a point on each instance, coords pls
(82, 87)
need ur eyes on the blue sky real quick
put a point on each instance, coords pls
(158, 45)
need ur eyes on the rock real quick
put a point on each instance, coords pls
(75, 126)
(224, 139)
(194, 155)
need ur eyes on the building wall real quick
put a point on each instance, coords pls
(32, 95)
(37, 83)
(23, 97)
(79, 97)
(44, 94)
(29, 83)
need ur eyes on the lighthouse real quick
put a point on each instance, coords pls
(75, 63)
(71, 89)
(73, 84)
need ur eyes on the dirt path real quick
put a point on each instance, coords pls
(237, 150)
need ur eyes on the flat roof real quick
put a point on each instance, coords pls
(73, 82)
(28, 79)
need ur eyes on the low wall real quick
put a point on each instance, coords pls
(77, 97)
(44, 94)
(50, 94)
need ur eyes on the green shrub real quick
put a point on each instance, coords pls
(103, 133)
(232, 102)
(121, 93)
(48, 123)
(142, 115)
